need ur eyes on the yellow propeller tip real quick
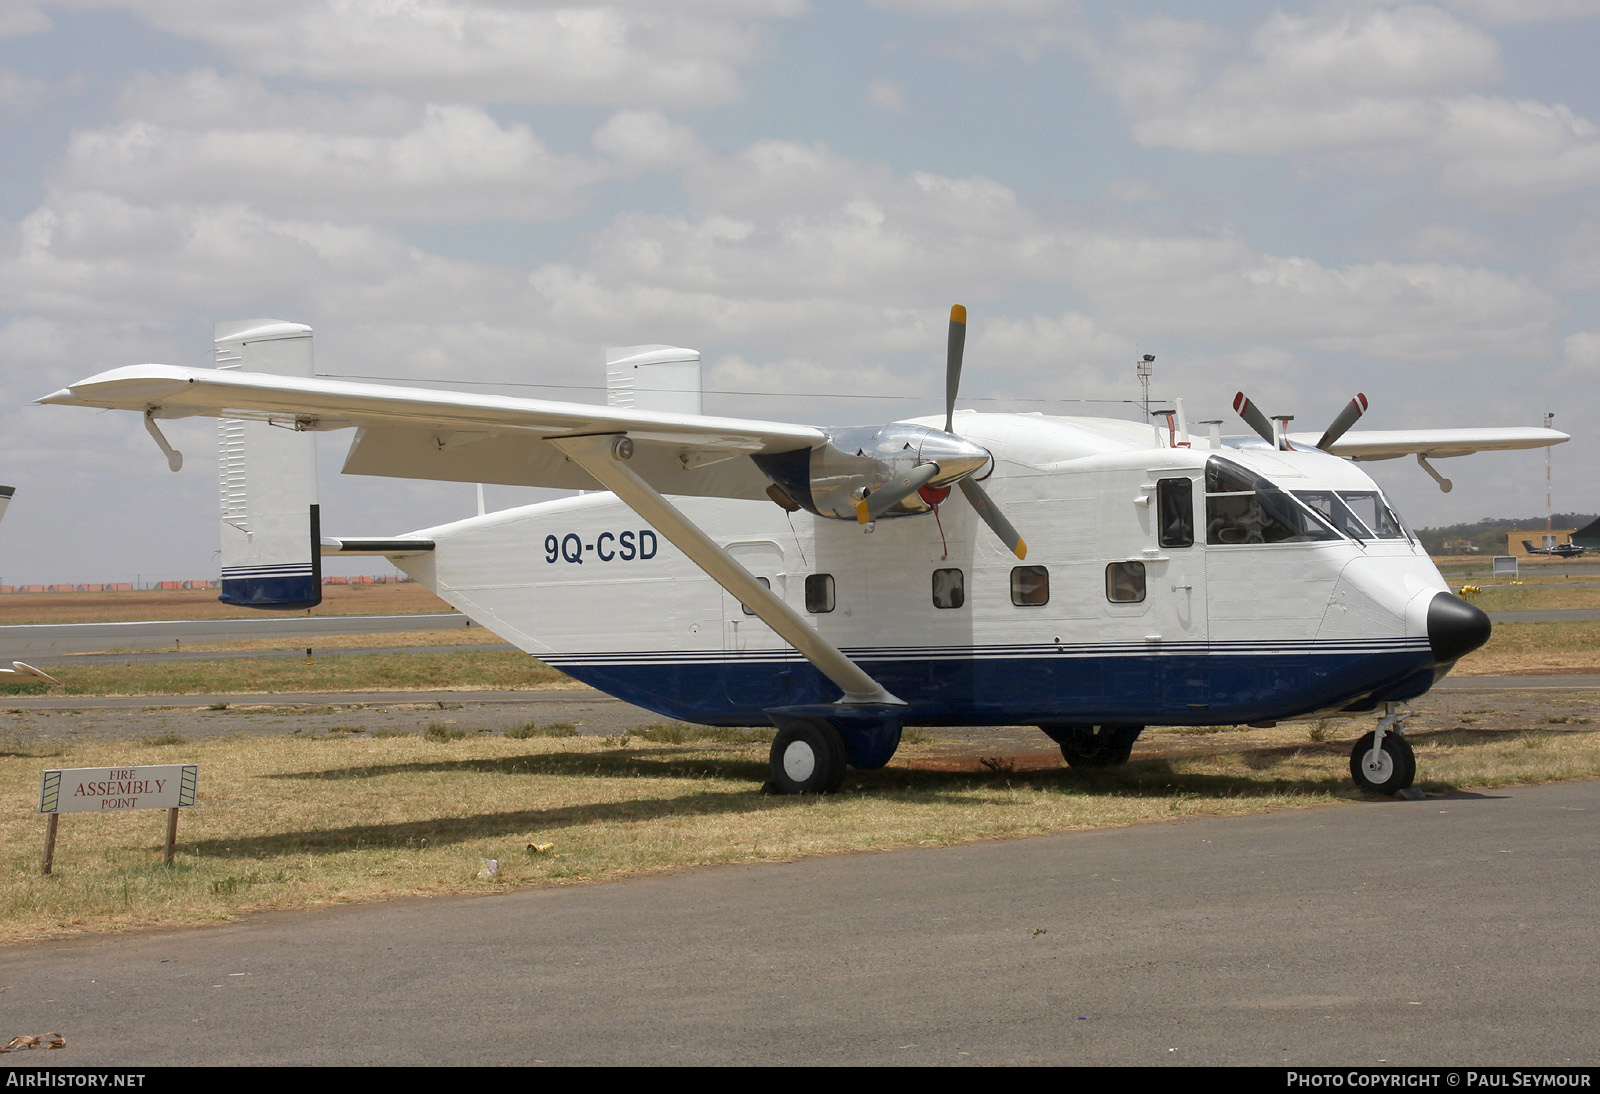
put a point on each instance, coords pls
(862, 516)
(958, 313)
(1022, 549)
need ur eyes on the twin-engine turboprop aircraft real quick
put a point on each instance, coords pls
(824, 581)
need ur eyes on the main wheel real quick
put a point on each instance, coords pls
(1386, 770)
(808, 757)
(1098, 746)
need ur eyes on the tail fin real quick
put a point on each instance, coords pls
(271, 534)
(664, 378)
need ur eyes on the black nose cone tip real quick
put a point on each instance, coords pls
(1455, 627)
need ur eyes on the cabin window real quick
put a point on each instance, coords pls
(1030, 585)
(765, 584)
(819, 593)
(1242, 507)
(1175, 512)
(949, 588)
(1125, 582)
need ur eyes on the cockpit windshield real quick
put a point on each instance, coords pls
(1369, 506)
(1359, 514)
(1243, 507)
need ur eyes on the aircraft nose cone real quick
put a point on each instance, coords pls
(1455, 627)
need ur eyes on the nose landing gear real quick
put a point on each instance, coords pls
(1383, 761)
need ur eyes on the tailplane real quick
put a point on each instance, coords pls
(271, 534)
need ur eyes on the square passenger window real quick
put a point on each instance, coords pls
(819, 593)
(1030, 585)
(1125, 582)
(765, 584)
(949, 589)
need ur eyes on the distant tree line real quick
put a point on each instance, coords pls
(1489, 534)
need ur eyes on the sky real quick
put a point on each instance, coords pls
(1299, 200)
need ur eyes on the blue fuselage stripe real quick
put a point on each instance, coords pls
(1219, 687)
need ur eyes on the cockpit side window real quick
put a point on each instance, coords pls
(1242, 507)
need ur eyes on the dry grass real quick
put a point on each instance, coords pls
(390, 599)
(1530, 597)
(1561, 646)
(293, 823)
(465, 670)
(455, 636)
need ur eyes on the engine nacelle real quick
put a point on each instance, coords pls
(858, 461)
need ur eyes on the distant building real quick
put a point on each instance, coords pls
(1515, 540)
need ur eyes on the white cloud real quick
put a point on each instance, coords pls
(1354, 88)
(18, 17)
(206, 138)
(18, 93)
(886, 95)
(1525, 11)
(622, 53)
(645, 140)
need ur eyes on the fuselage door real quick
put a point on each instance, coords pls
(756, 656)
(1178, 592)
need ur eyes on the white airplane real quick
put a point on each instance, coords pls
(19, 672)
(824, 581)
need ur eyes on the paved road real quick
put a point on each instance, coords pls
(1447, 931)
(46, 642)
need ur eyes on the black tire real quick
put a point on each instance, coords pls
(1389, 772)
(1097, 746)
(808, 757)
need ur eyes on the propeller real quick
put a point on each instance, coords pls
(1347, 418)
(1336, 429)
(975, 494)
(1254, 418)
(881, 500)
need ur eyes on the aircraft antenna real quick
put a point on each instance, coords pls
(1145, 366)
(1549, 514)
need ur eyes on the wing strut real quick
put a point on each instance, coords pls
(604, 456)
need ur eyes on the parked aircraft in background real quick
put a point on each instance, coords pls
(827, 581)
(1558, 550)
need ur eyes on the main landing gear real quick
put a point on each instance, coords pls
(1383, 761)
(808, 757)
(1095, 746)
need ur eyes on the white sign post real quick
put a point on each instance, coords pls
(104, 789)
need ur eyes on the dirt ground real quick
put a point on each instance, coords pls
(46, 723)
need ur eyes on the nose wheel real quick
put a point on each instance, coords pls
(1383, 761)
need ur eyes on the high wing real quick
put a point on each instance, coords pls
(1389, 444)
(461, 437)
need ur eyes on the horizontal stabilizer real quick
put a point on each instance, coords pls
(391, 546)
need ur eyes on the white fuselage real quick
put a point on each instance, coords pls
(1111, 618)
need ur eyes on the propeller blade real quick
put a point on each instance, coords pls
(880, 501)
(994, 518)
(1347, 418)
(952, 364)
(1254, 418)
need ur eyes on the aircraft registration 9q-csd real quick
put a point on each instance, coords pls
(1093, 577)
